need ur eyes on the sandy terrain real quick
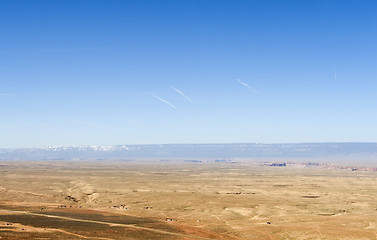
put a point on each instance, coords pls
(178, 200)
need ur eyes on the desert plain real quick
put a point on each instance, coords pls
(176, 199)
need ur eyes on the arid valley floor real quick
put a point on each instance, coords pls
(184, 200)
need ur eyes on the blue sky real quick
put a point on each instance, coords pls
(118, 72)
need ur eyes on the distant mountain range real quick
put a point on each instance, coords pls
(196, 151)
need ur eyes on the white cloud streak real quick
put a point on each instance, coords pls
(7, 94)
(182, 94)
(243, 83)
(247, 86)
(163, 100)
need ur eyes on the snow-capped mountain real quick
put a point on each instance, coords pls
(236, 150)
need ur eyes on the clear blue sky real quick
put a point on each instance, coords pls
(118, 72)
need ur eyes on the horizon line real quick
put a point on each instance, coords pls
(226, 143)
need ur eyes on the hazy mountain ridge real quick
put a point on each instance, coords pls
(235, 150)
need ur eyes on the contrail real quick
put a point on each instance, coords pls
(243, 83)
(335, 75)
(163, 100)
(6, 94)
(184, 95)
